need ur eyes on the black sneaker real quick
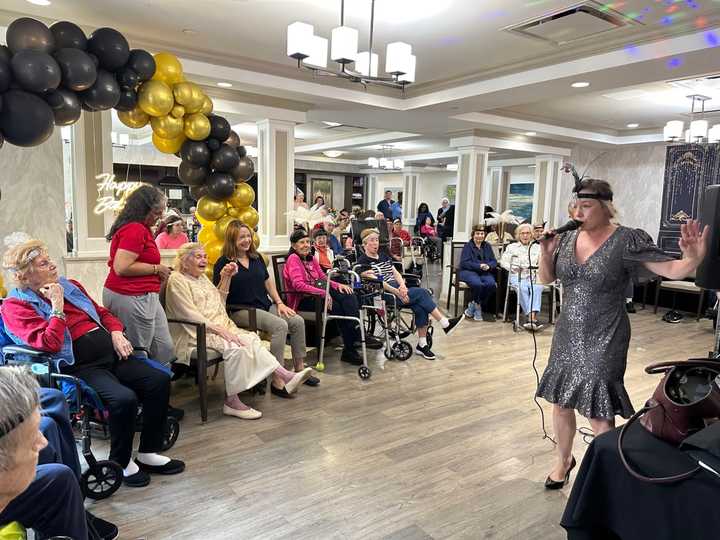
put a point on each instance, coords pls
(425, 352)
(452, 326)
(312, 381)
(176, 413)
(371, 342)
(351, 356)
(99, 529)
(139, 479)
(630, 307)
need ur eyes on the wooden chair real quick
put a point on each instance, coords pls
(454, 283)
(680, 286)
(201, 356)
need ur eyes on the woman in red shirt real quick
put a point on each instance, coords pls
(132, 288)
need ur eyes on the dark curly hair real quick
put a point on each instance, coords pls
(139, 204)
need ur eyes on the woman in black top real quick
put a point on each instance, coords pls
(417, 299)
(250, 286)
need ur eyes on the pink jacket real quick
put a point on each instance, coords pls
(428, 230)
(298, 277)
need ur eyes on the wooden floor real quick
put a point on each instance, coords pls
(445, 449)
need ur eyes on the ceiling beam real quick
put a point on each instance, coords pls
(357, 140)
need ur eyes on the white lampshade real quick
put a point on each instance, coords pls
(714, 134)
(318, 52)
(299, 38)
(385, 162)
(398, 164)
(363, 65)
(687, 135)
(344, 47)
(397, 58)
(452, 167)
(124, 139)
(698, 129)
(673, 130)
(373, 162)
(409, 75)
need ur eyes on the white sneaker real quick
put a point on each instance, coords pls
(247, 414)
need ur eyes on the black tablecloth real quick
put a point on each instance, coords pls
(608, 503)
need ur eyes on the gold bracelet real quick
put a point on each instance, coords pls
(224, 291)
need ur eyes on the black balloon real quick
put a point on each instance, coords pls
(85, 107)
(197, 192)
(244, 170)
(35, 71)
(65, 106)
(78, 70)
(233, 139)
(224, 159)
(220, 185)
(212, 144)
(5, 76)
(219, 127)
(142, 63)
(68, 36)
(127, 78)
(242, 151)
(192, 176)
(26, 34)
(5, 54)
(94, 59)
(25, 119)
(111, 48)
(128, 101)
(196, 153)
(104, 94)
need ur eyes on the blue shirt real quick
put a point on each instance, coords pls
(396, 209)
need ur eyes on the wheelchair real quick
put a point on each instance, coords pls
(102, 478)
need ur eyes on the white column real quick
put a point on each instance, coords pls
(496, 183)
(372, 199)
(411, 181)
(473, 186)
(276, 181)
(546, 197)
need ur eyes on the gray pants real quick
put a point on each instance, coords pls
(278, 328)
(145, 322)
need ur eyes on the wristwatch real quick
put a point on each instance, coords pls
(57, 313)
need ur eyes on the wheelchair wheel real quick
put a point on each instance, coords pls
(402, 350)
(389, 353)
(172, 430)
(364, 373)
(101, 481)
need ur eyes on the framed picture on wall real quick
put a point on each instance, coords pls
(321, 187)
(520, 200)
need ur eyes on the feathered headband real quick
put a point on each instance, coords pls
(570, 168)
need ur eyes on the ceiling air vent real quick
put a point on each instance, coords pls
(581, 21)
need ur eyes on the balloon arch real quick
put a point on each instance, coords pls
(49, 75)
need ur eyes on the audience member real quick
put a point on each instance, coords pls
(299, 200)
(51, 313)
(477, 261)
(396, 210)
(333, 237)
(323, 254)
(423, 212)
(493, 237)
(171, 234)
(397, 231)
(428, 231)
(445, 219)
(318, 203)
(385, 206)
(191, 295)
(538, 230)
(521, 259)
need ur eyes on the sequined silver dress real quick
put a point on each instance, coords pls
(587, 361)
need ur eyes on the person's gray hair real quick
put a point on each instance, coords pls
(18, 401)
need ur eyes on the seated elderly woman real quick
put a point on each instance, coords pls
(477, 261)
(55, 314)
(520, 259)
(417, 299)
(191, 295)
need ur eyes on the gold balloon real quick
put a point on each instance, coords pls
(155, 98)
(167, 127)
(197, 127)
(256, 240)
(196, 100)
(234, 212)
(209, 272)
(214, 250)
(209, 209)
(207, 106)
(135, 118)
(221, 226)
(183, 93)
(168, 69)
(178, 111)
(206, 234)
(243, 196)
(168, 146)
(249, 216)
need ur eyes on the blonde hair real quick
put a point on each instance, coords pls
(18, 259)
(367, 233)
(520, 228)
(183, 252)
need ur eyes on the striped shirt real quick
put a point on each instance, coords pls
(382, 266)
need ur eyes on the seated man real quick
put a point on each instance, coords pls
(477, 261)
(416, 298)
(54, 314)
(36, 492)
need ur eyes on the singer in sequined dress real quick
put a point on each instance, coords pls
(588, 356)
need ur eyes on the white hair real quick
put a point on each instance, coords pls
(18, 401)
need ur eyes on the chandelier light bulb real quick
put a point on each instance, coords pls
(364, 66)
(409, 75)
(318, 52)
(714, 134)
(674, 130)
(344, 45)
(299, 40)
(698, 130)
(373, 162)
(397, 58)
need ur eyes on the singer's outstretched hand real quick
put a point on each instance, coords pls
(693, 243)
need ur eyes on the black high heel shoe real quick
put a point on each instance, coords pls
(554, 484)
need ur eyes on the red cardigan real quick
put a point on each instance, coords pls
(48, 335)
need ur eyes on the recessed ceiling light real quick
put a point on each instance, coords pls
(331, 124)
(530, 133)
(189, 31)
(224, 85)
(633, 125)
(40, 2)
(333, 153)
(580, 84)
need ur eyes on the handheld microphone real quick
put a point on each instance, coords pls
(569, 226)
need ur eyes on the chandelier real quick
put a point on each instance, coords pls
(698, 131)
(386, 161)
(311, 52)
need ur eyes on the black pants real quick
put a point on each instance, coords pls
(121, 385)
(343, 304)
